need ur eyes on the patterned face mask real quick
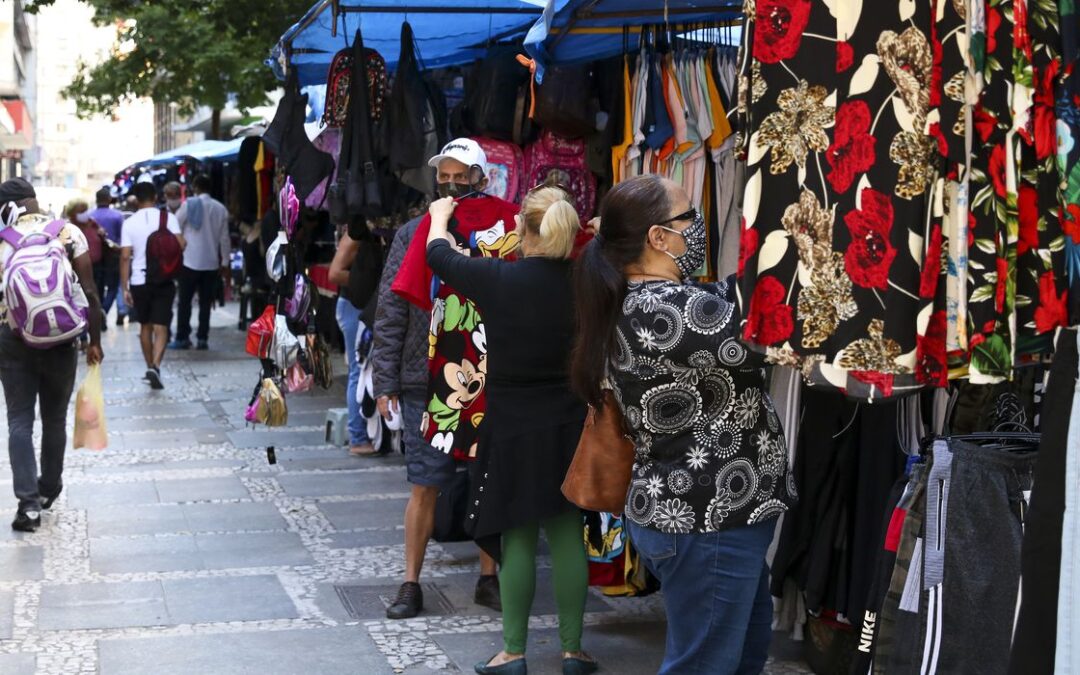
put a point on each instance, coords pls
(697, 243)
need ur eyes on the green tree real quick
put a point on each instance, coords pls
(192, 53)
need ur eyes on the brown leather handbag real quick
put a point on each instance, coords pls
(599, 474)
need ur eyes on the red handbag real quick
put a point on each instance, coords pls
(260, 334)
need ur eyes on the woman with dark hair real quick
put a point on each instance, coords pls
(533, 418)
(710, 470)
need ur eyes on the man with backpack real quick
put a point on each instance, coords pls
(151, 256)
(204, 224)
(46, 271)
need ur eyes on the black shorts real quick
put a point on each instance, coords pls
(154, 303)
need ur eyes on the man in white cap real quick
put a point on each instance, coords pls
(417, 370)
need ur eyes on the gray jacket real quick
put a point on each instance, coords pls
(401, 330)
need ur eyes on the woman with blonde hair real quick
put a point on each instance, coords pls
(533, 419)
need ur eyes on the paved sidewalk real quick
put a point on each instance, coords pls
(180, 550)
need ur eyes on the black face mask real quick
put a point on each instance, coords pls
(452, 189)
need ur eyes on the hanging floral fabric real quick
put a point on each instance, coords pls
(831, 278)
(914, 225)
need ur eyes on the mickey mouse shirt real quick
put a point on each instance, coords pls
(457, 356)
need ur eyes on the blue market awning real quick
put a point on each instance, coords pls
(203, 150)
(588, 30)
(448, 32)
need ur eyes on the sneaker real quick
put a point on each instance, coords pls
(153, 376)
(409, 602)
(26, 521)
(487, 592)
(202, 346)
(48, 501)
(180, 344)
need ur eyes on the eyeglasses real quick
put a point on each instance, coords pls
(689, 215)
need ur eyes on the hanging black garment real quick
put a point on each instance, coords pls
(246, 181)
(497, 99)
(357, 190)
(304, 163)
(414, 127)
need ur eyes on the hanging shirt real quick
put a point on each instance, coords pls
(457, 359)
(619, 152)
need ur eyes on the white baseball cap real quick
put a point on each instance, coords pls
(465, 150)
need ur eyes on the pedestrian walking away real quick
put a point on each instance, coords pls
(204, 224)
(112, 222)
(149, 263)
(38, 362)
(533, 418)
(708, 486)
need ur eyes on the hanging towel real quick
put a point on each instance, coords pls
(195, 213)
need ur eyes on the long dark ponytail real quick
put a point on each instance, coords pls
(627, 213)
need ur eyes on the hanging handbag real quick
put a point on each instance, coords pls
(260, 334)
(296, 380)
(270, 408)
(599, 475)
(319, 359)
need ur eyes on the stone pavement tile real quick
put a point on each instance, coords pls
(87, 495)
(388, 537)
(201, 489)
(98, 605)
(366, 513)
(279, 438)
(128, 521)
(132, 423)
(178, 410)
(341, 483)
(161, 465)
(165, 440)
(345, 649)
(145, 554)
(7, 614)
(627, 649)
(242, 516)
(264, 549)
(220, 599)
(342, 462)
(21, 563)
(18, 664)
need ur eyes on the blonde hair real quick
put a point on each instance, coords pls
(74, 204)
(550, 217)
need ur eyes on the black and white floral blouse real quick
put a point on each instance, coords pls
(710, 453)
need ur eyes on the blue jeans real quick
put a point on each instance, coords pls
(348, 319)
(716, 592)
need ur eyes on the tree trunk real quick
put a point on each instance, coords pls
(215, 125)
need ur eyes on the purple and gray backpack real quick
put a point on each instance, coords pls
(46, 307)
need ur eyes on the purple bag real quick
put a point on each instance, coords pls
(289, 207)
(298, 305)
(46, 306)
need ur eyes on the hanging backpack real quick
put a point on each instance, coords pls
(497, 97)
(164, 255)
(339, 81)
(506, 164)
(46, 305)
(556, 160)
(567, 101)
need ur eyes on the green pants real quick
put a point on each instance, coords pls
(570, 573)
